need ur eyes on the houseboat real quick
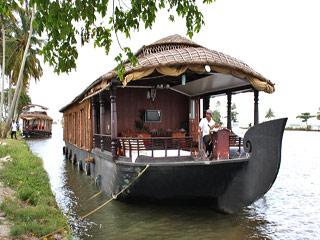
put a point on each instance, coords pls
(35, 121)
(139, 136)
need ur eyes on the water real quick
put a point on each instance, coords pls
(290, 210)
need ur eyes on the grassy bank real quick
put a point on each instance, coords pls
(33, 210)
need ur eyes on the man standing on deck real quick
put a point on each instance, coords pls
(205, 125)
(14, 129)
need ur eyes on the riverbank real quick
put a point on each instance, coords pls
(301, 129)
(30, 209)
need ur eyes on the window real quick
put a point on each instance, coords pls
(192, 112)
(152, 116)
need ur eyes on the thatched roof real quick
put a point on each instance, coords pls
(27, 107)
(177, 51)
(33, 116)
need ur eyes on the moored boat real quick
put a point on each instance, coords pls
(141, 133)
(35, 121)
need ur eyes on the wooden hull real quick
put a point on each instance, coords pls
(227, 185)
(36, 133)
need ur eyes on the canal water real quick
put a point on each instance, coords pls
(290, 210)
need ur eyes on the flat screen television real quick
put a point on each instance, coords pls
(152, 116)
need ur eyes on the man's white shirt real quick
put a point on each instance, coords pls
(14, 127)
(205, 126)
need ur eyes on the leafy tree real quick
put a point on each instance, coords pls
(318, 114)
(234, 113)
(269, 114)
(216, 117)
(305, 117)
(65, 24)
(15, 41)
(24, 100)
(4, 9)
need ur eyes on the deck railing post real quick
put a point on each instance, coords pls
(256, 107)
(94, 121)
(165, 147)
(114, 125)
(101, 143)
(229, 119)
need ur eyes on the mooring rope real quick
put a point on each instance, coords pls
(105, 203)
(94, 196)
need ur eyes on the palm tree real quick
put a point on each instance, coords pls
(7, 21)
(234, 113)
(16, 40)
(305, 117)
(269, 114)
(23, 63)
(16, 45)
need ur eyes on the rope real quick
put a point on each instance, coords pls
(115, 196)
(94, 196)
(49, 234)
(105, 203)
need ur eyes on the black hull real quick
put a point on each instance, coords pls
(37, 134)
(228, 185)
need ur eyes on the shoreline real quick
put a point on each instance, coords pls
(27, 204)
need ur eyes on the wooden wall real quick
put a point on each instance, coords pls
(78, 125)
(130, 101)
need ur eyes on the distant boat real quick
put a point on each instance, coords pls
(145, 126)
(35, 121)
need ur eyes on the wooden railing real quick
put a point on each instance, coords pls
(141, 146)
(102, 141)
(236, 141)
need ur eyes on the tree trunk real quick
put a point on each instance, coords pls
(15, 115)
(3, 70)
(20, 80)
(9, 94)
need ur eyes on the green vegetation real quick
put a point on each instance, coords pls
(318, 115)
(55, 29)
(33, 211)
(305, 117)
(234, 113)
(24, 100)
(269, 114)
(216, 117)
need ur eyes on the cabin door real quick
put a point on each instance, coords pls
(194, 118)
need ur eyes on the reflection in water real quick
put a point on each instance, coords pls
(291, 210)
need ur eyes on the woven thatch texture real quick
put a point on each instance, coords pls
(35, 116)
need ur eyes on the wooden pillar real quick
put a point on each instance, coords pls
(256, 107)
(229, 119)
(102, 120)
(114, 127)
(206, 103)
(102, 103)
(94, 120)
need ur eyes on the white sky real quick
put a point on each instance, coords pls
(279, 39)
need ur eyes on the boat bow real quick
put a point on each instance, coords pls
(263, 142)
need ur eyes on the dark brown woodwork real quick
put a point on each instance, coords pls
(256, 107)
(194, 122)
(102, 104)
(221, 144)
(206, 102)
(94, 119)
(78, 125)
(132, 102)
(114, 123)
